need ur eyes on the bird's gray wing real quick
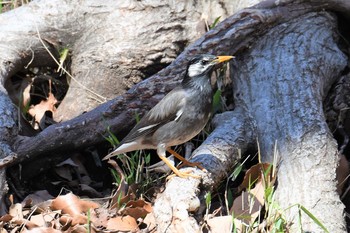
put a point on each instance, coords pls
(170, 108)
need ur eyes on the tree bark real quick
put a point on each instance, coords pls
(283, 83)
(8, 132)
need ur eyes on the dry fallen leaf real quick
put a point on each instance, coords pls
(38, 220)
(221, 224)
(125, 223)
(64, 172)
(342, 172)
(42, 230)
(247, 206)
(37, 198)
(121, 196)
(73, 206)
(38, 111)
(89, 191)
(241, 207)
(137, 209)
(16, 212)
(80, 229)
(6, 218)
(99, 217)
(26, 86)
(254, 174)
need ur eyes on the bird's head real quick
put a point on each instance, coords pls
(200, 68)
(203, 64)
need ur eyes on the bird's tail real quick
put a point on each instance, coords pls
(123, 148)
(110, 155)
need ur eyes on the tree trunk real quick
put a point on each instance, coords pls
(282, 80)
(8, 132)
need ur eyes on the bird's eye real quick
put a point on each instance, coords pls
(203, 62)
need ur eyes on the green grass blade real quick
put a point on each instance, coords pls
(230, 198)
(63, 56)
(313, 218)
(216, 101)
(88, 225)
(112, 139)
(236, 171)
(216, 21)
(148, 159)
(208, 199)
(137, 117)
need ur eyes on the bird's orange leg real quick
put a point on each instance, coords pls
(161, 150)
(185, 161)
(175, 170)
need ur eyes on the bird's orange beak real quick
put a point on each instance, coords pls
(222, 59)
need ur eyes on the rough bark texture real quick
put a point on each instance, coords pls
(284, 95)
(8, 132)
(283, 80)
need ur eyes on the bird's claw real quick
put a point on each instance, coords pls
(192, 164)
(184, 174)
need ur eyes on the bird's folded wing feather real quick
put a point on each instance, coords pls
(170, 108)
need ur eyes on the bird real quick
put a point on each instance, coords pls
(179, 116)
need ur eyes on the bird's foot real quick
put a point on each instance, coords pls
(184, 161)
(191, 164)
(184, 174)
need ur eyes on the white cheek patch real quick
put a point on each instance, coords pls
(195, 70)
